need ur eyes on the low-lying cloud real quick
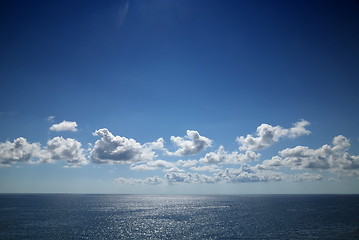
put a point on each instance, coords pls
(216, 166)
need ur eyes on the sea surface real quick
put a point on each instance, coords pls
(82, 216)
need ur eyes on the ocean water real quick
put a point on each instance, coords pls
(68, 216)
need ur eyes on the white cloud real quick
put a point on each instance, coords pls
(306, 177)
(64, 126)
(229, 175)
(133, 181)
(267, 135)
(244, 174)
(223, 157)
(153, 165)
(207, 168)
(273, 163)
(187, 163)
(57, 148)
(118, 150)
(192, 143)
(18, 151)
(174, 169)
(153, 180)
(50, 118)
(180, 177)
(143, 167)
(247, 174)
(334, 158)
(158, 144)
(72, 166)
(130, 181)
(68, 150)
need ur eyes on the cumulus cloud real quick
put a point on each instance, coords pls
(153, 165)
(181, 177)
(19, 151)
(68, 149)
(153, 180)
(223, 157)
(133, 181)
(57, 148)
(158, 144)
(244, 174)
(334, 158)
(192, 143)
(247, 174)
(229, 175)
(267, 135)
(64, 126)
(270, 164)
(118, 150)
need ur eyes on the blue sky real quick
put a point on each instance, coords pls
(162, 96)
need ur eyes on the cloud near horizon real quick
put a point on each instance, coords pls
(334, 158)
(112, 149)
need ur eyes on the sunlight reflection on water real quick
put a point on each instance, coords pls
(177, 217)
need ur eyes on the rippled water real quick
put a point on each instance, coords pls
(65, 216)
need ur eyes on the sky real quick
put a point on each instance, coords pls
(179, 97)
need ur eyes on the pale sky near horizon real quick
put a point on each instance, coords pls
(160, 96)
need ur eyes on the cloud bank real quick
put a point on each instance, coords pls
(216, 166)
(334, 158)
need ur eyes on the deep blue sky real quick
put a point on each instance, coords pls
(156, 68)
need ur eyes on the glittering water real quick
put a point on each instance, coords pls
(64, 216)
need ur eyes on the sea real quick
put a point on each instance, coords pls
(91, 216)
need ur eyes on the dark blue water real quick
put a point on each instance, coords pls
(64, 216)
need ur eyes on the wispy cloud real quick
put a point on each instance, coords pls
(50, 118)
